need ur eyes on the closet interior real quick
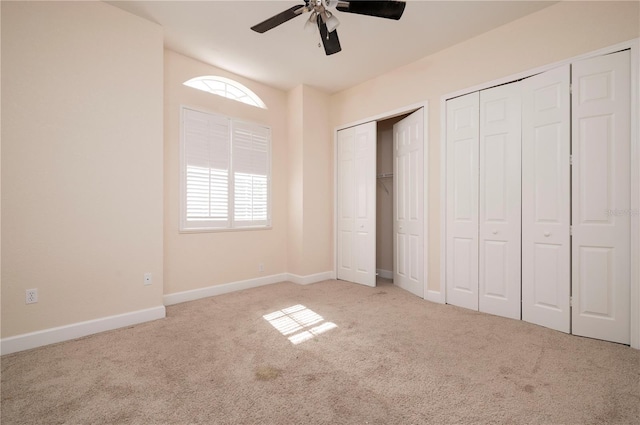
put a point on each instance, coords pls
(384, 197)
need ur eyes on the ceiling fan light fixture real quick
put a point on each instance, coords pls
(310, 24)
(332, 22)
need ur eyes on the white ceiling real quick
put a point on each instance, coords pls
(218, 33)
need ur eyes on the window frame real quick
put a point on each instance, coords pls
(249, 94)
(231, 224)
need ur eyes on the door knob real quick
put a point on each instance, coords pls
(547, 234)
(495, 231)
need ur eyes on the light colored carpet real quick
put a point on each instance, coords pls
(391, 359)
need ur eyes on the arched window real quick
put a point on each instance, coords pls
(226, 88)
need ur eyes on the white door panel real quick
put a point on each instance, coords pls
(345, 247)
(499, 197)
(356, 245)
(601, 188)
(462, 201)
(464, 279)
(546, 199)
(408, 136)
(346, 204)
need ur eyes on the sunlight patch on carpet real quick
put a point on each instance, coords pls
(298, 323)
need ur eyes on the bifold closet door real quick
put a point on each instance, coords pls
(462, 201)
(408, 205)
(499, 225)
(356, 244)
(546, 199)
(601, 197)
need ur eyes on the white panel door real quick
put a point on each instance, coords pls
(601, 197)
(462, 201)
(356, 250)
(346, 204)
(499, 235)
(408, 266)
(546, 199)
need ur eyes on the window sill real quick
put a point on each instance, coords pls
(224, 230)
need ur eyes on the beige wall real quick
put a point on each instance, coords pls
(555, 33)
(318, 183)
(81, 163)
(295, 180)
(198, 260)
(310, 248)
(0, 175)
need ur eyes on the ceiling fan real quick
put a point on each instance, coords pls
(327, 22)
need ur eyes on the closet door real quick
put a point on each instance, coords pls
(462, 201)
(546, 199)
(499, 236)
(408, 205)
(356, 250)
(601, 197)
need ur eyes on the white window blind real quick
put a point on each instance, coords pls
(250, 174)
(226, 173)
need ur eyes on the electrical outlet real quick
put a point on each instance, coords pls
(147, 279)
(260, 267)
(31, 296)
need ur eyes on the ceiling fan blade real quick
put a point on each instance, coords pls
(329, 39)
(381, 9)
(278, 19)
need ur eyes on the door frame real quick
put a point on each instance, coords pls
(428, 295)
(634, 46)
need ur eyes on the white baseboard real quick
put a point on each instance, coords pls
(312, 278)
(77, 330)
(385, 274)
(225, 288)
